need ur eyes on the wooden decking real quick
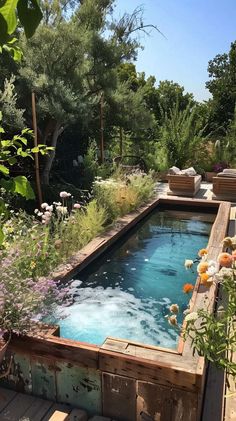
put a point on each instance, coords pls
(19, 407)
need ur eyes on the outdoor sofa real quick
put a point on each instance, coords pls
(224, 185)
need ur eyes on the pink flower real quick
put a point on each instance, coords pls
(64, 194)
(77, 206)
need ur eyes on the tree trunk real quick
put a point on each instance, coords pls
(51, 154)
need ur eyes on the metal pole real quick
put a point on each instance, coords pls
(36, 155)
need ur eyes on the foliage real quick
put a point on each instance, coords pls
(181, 135)
(222, 86)
(12, 116)
(212, 333)
(25, 300)
(122, 195)
(10, 152)
(24, 13)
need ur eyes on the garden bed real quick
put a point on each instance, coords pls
(121, 379)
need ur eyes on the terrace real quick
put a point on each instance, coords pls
(106, 379)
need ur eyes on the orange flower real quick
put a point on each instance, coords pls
(225, 260)
(202, 252)
(187, 288)
(204, 278)
(202, 267)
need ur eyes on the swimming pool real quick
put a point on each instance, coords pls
(126, 293)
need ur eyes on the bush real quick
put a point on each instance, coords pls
(122, 195)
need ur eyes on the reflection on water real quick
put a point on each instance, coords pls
(126, 293)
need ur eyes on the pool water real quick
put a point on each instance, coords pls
(127, 292)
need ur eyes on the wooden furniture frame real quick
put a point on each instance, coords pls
(121, 379)
(224, 188)
(184, 185)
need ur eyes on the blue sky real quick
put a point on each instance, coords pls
(196, 30)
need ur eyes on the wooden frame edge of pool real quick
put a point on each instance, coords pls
(139, 368)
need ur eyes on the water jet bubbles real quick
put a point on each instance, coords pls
(133, 268)
(146, 260)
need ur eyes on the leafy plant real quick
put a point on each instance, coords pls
(212, 333)
(181, 134)
(10, 152)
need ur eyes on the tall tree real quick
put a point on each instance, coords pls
(222, 86)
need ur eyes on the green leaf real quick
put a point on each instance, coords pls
(23, 187)
(30, 15)
(4, 169)
(8, 12)
(1, 236)
(8, 185)
(35, 149)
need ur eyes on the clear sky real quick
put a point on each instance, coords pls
(196, 30)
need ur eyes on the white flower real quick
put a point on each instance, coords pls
(57, 203)
(64, 194)
(62, 210)
(36, 211)
(188, 263)
(40, 213)
(191, 316)
(211, 271)
(44, 205)
(49, 208)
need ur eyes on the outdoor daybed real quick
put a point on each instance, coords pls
(182, 183)
(224, 185)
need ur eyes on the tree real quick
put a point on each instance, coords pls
(222, 86)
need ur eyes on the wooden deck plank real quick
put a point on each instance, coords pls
(56, 407)
(6, 396)
(38, 410)
(17, 407)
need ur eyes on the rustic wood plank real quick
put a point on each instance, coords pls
(6, 396)
(38, 409)
(214, 392)
(155, 402)
(17, 407)
(168, 373)
(119, 397)
(123, 346)
(79, 386)
(59, 416)
(43, 378)
(57, 348)
(56, 407)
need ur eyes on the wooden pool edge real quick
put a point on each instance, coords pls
(42, 364)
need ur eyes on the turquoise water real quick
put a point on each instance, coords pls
(127, 292)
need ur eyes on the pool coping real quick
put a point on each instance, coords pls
(124, 357)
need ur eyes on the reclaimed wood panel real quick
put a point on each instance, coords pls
(119, 397)
(79, 386)
(58, 349)
(159, 403)
(43, 378)
(139, 368)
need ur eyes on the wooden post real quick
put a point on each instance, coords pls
(36, 155)
(121, 141)
(102, 129)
